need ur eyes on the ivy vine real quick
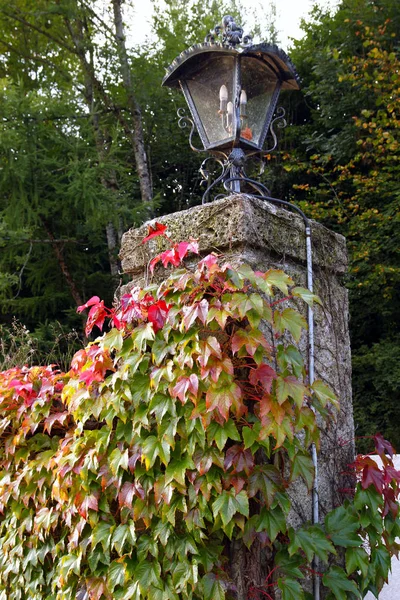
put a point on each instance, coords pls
(177, 430)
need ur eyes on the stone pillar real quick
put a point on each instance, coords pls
(245, 229)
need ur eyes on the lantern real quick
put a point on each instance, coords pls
(232, 88)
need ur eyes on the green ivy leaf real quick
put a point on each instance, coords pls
(306, 295)
(213, 587)
(289, 565)
(228, 504)
(131, 591)
(337, 581)
(113, 340)
(181, 575)
(247, 272)
(221, 433)
(160, 349)
(342, 527)
(303, 466)
(116, 573)
(290, 356)
(148, 574)
(267, 480)
(291, 589)
(251, 434)
(70, 562)
(380, 558)
(277, 278)
(324, 393)
(290, 386)
(141, 335)
(273, 521)
(152, 448)
(222, 396)
(357, 559)
(101, 534)
(124, 533)
(176, 469)
(118, 459)
(291, 320)
(312, 540)
(369, 497)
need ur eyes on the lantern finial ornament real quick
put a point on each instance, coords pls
(231, 34)
(232, 88)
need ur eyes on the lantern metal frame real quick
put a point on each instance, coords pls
(232, 151)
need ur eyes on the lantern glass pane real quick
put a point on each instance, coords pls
(205, 89)
(258, 83)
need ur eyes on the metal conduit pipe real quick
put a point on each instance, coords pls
(311, 372)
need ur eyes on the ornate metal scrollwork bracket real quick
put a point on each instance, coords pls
(232, 176)
(183, 121)
(281, 123)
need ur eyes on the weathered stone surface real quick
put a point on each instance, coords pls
(245, 229)
(237, 222)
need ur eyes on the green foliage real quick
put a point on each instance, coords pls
(169, 436)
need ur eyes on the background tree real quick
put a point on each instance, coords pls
(340, 161)
(75, 144)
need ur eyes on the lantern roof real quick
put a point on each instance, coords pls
(273, 57)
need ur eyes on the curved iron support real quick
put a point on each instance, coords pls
(183, 121)
(281, 114)
(225, 171)
(259, 187)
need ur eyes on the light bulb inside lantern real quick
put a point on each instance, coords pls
(223, 98)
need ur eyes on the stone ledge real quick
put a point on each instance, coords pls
(238, 221)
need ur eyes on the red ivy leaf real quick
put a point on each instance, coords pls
(210, 262)
(185, 384)
(382, 446)
(97, 313)
(154, 261)
(184, 247)
(126, 493)
(88, 502)
(202, 461)
(239, 458)
(391, 473)
(215, 367)
(158, 229)
(96, 587)
(372, 475)
(100, 364)
(390, 502)
(200, 310)
(157, 314)
(209, 347)
(58, 417)
(234, 480)
(170, 256)
(263, 374)
(79, 360)
(93, 300)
